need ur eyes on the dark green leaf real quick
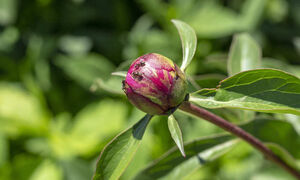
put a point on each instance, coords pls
(198, 152)
(264, 90)
(116, 156)
(172, 165)
(176, 133)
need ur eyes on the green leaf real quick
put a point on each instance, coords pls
(4, 150)
(172, 165)
(275, 131)
(176, 133)
(119, 73)
(263, 90)
(188, 41)
(283, 154)
(8, 11)
(112, 85)
(251, 14)
(282, 65)
(47, 170)
(21, 112)
(85, 69)
(198, 152)
(88, 128)
(245, 54)
(212, 20)
(116, 156)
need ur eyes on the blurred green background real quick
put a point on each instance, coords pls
(59, 105)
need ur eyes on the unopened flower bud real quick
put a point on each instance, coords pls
(155, 84)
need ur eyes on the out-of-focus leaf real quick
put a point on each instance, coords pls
(91, 126)
(47, 170)
(212, 20)
(97, 121)
(264, 90)
(75, 45)
(283, 154)
(208, 80)
(116, 156)
(296, 42)
(20, 112)
(156, 40)
(37, 54)
(198, 152)
(8, 10)
(188, 42)
(4, 149)
(294, 120)
(245, 54)
(85, 69)
(176, 133)
(23, 165)
(279, 64)
(277, 10)
(77, 169)
(112, 85)
(286, 136)
(8, 37)
(252, 12)
(215, 63)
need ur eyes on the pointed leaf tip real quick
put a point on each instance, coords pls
(188, 41)
(176, 133)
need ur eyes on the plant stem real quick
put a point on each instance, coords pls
(256, 143)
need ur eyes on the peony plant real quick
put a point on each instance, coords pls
(157, 86)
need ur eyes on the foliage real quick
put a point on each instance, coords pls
(59, 106)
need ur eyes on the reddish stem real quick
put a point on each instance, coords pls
(256, 143)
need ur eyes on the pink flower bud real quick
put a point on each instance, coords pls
(155, 84)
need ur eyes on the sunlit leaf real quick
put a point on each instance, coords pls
(188, 41)
(176, 133)
(245, 54)
(88, 127)
(47, 170)
(20, 111)
(116, 156)
(119, 73)
(263, 90)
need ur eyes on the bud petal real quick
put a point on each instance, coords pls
(155, 84)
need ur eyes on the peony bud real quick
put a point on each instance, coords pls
(155, 84)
